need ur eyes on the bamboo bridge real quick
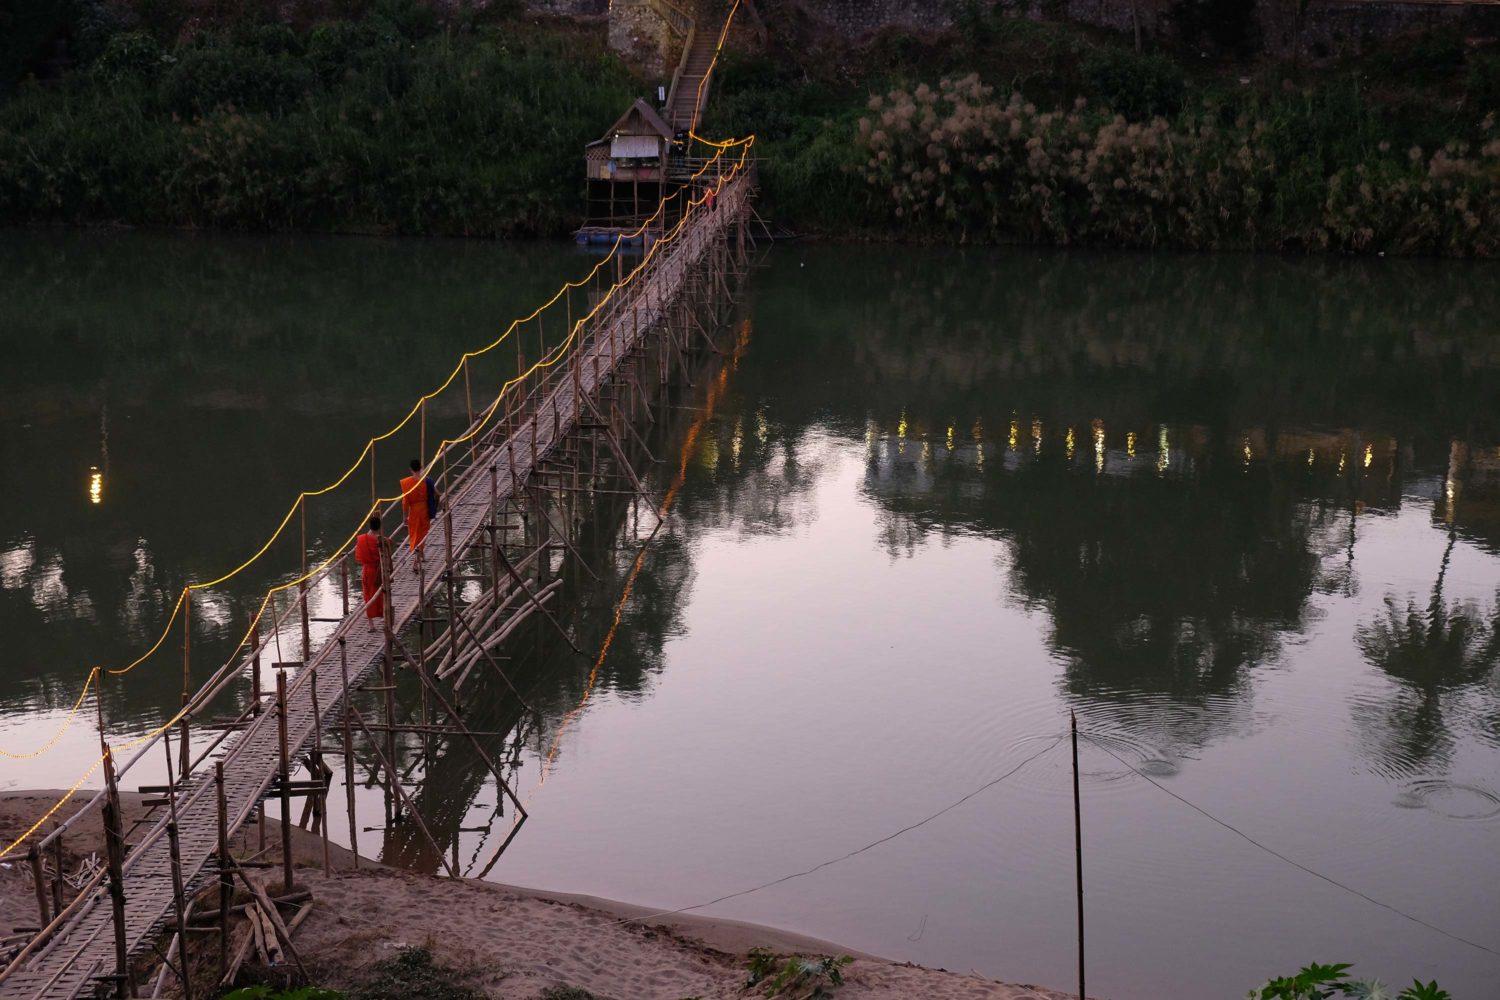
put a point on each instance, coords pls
(512, 483)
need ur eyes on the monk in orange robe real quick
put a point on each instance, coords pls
(368, 550)
(416, 492)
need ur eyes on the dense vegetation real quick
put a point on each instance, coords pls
(384, 122)
(371, 115)
(1024, 131)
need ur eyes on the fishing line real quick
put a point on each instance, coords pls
(1295, 864)
(857, 851)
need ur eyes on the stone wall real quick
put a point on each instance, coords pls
(639, 33)
(571, 8)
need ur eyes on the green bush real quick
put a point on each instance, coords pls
(1137, 86)
(131, 58)
(217, 75)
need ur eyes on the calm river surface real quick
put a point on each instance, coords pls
(1240, 514)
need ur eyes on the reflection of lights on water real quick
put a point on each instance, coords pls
(978, 433)
(1130, 444)
(1036, 436)
(1309, 457)
(1342, 457)
(950, 438)
(1163, 450)
(1369, 454)
(96, 485)
(1450, 493)
(926, 452)
(739, 439)
(1245, 449)
(1070, 443)
(1015, 434)
(901, 434)
(979, 456)
(1098, 426)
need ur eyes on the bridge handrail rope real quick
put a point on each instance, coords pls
(227, 673)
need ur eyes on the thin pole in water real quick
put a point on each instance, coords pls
(1078, 850)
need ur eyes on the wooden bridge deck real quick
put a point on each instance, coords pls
(84, 948)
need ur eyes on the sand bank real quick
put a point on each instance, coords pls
(519, 942)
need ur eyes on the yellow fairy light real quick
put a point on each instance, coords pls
(1342, 456)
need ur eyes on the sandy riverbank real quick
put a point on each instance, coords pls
(517, 942)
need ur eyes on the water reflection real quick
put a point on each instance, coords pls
(1242, 513)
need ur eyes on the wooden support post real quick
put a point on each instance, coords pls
(344, 583)
(114, 850)
(57, 872)
(187, 676)
(285, 772)
(393, 809)
(255, 690)
(348, 755)
(1078, 850)
(39, 883)
(302, 585)
(226, 878)
(179, 903)
(320, 801)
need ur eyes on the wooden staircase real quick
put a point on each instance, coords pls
(690, 84)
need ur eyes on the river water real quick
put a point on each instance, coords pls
(1240, 514)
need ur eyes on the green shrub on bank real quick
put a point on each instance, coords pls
(375, 125)
(961, 162)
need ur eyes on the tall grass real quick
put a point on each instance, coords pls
(369, 125)
(1309, 172)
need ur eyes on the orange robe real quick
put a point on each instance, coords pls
(367, 551)
(414, 503)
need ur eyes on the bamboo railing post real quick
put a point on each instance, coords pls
(302, 584)
(348, 754)
(285, 774)
(178, 906)
(57, 872)
(187, 676)
(114, 849)
(422, 439)
(255, 666)
(179, 900)
(393, 808)
(344, 583)
(320, 800)
(39, 883)
(1078, 849)
(226, 879)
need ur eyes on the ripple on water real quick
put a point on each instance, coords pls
(1450, 799)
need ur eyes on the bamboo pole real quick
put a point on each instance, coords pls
(187, 674)
(286, 777)
(348, 755)
(174, 852)
(226, 878)
(114, 849)
(38, 882)
(57, 874)
(1078, 850)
